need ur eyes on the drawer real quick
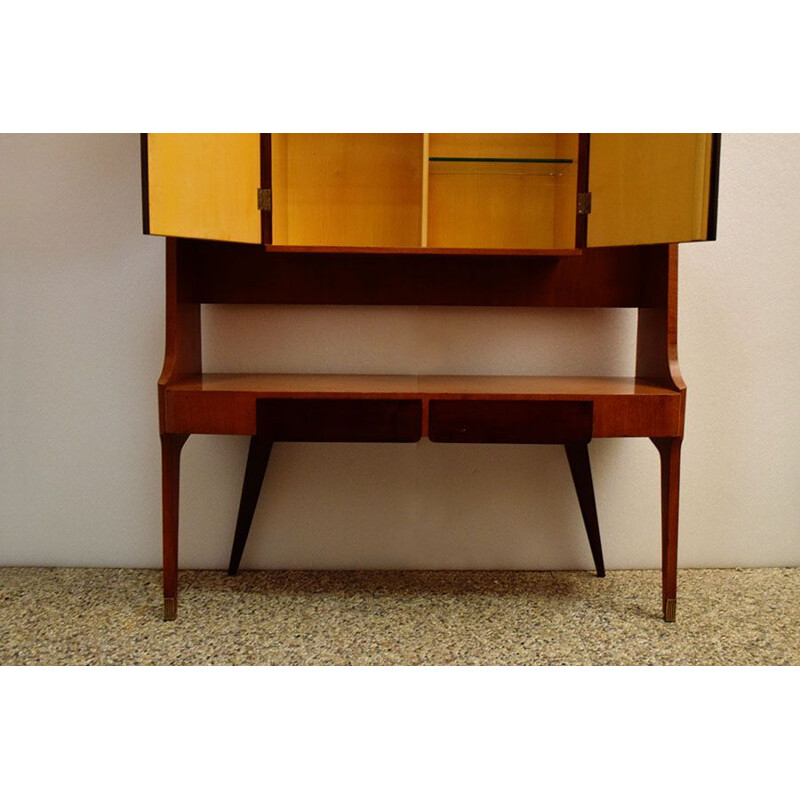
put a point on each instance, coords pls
(338, 420)
(510, 421)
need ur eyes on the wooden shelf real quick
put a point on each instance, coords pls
(280, 384)
(434, 251)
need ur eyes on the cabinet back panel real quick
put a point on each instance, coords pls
(502, 205)
(204, 185)
(649, 188)
(491, 211)
(236, 273)
(492, 145)
(347, 189)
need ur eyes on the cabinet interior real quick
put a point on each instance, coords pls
(347, 189)
(442, 190)
(510, 190)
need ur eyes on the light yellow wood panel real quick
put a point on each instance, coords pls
(484, 210)
(566, 195)
(280, 188)
(493, 145)
(703, 183)
(204, 185)
(502, 205)
(648, 187)
(426, 150)
(347, 189)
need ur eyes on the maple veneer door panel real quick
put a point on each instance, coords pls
(347, 189)
(204, 185)
(650, 188)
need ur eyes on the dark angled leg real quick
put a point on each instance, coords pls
(171, 445)
(578, 457)
(670, 451)
(257, 460)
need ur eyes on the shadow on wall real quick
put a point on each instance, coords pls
(418, 506)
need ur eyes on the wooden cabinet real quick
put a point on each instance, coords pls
(558, 220)
(437, 191)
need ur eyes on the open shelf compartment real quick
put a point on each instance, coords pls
(513, 190)
(438, 190)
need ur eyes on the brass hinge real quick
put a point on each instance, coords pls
(265, 199)
(584, 203)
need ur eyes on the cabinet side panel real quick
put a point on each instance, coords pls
(649, 188)
(204, 185)
(713, 186)
(566, 192)
(145, 184)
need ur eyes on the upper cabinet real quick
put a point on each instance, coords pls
(438, 191)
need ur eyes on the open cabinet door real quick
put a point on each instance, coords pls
(650, 188)
(203, 185)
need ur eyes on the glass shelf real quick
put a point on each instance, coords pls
(445, 165)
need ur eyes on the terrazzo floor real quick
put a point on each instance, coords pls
(69, 616)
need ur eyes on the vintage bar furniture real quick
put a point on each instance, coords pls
(559, 220)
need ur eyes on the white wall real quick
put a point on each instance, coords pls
(81, 344)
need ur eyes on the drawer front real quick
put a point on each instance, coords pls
(510, 421)
(339, 420)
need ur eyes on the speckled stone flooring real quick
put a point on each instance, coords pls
(67, 616)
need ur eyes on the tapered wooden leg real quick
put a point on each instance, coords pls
(171, 445)
(579, 466)
(257, 460)
(670, 451)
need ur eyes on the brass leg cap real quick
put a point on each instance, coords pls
(669, 610)
(170, 608)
